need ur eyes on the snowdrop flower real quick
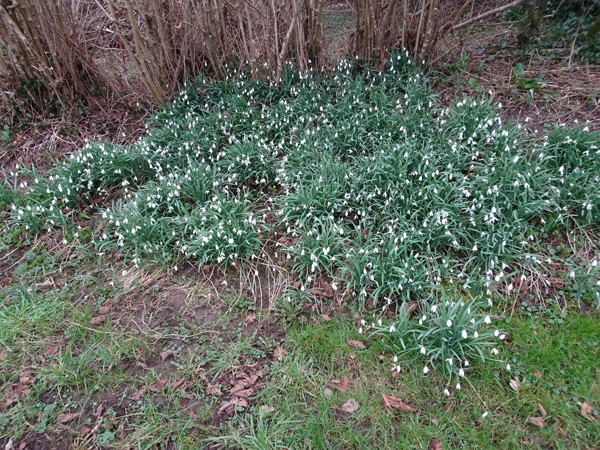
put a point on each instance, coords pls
(446, 392)
(487, 320)
(461, 373)
(458, 386)
(484, 415)
(508, 367)
(464, 334)
(449, 323)
(495, 351)
(425, 370)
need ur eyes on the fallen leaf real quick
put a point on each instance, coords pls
(105, 308)
(537, 374)
(327, 392)
(45, 286)
(266, 409)
(394, 373)
(436, 445)
(164, 355)
(448, 406)
(409, 307)
(560, 432)
(250, 318)
(352, 362)
(478, 424)
(350, 406)
(321, 293)
(99, 411)
(3, 354)
(542, 411)
(392, 403)
(435, 422)
(84, 431)
(97, 320)
(158, 385)
(50, 350)
(325, 318)
(587, 411)
(66, 418)
(340, 385)
(178, 383)
(515, 385)
(356, 344)
(243, 393)
(213, 389)
(9, 400)
(138, 394)
(537, 421)
(279, 354)
(242, 403)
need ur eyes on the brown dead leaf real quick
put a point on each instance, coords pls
(250, 319)
(409, 307)
(279, 354)
(266, 409)
(97, 320)
(436, 445)
(327, 392)
(50, 350)
(105, 308)
(560, 432)
(356, 344)
(45, 286)
(435, 422)
(314, 320)
(537, 421)
(11, 398)
(164, 355)
(213, 389)
(99, 411)
(158, 385)
(178, 383)
(138, 394)
(478, 424)
(321, 293)
(66, 418)
(587, 411)
(448, 406)
(515, 385)
(537, 374)
(230, 404)
(340, 385)
(392, 403)
(353, 362)
(3, 354)
(325, 318)
(542, 411)
(394, 373)
(243, 393)
(350, 406)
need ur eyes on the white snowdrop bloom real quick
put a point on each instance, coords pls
(495, 351)
(484, 415)
(458, 386)
(392, 329)
(425, 370)
(508, 367)
(464, 334)
(461, 373)
(423, 351)
(487, 320)
(449, 323)
(446, 392)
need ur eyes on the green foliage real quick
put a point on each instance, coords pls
(449, 336)
(373, 183)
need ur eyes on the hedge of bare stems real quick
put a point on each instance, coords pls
(145, 49)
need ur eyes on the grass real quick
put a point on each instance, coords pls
(131, 310)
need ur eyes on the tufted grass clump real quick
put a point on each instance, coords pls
(379, 187)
